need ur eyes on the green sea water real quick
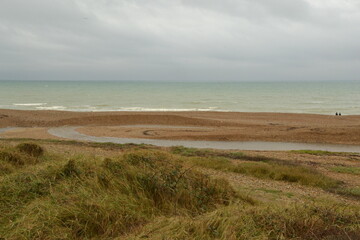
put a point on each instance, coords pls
(292, 97)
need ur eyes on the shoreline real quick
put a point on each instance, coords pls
(199, 126)
(172, 111)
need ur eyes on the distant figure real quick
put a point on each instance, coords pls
(339, 114)
(336, 114)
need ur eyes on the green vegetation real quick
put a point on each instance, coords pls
(313, 221)
(15, 158)
(349, 170)
(105, 145)
(273, 171)
(354, 192)
(194, 152)
(323, 153)
(31, 149)
(276, 192)
(93, 198)
(191, 152)
(142, 192)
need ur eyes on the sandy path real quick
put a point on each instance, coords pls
(34, 133)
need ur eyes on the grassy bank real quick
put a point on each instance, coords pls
(272, 171)
(257, 166)
(82, 191)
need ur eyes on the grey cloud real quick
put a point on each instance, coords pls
(256, 10)
(180, 40)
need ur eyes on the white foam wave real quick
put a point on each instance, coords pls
(52, 108)
(29, 104)
(143, 109)
(106, 108)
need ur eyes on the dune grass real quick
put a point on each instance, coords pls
(323, 153)
(191, 152)
(194, 152)
(31, 149)
(349, 170)
(153, 194)
(354, 192)
(92, 198)
(313, 221)
(273, 171)
(103, 145)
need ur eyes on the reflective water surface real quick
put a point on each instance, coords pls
(71, 133)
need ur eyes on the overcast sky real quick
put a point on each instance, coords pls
(180, 40)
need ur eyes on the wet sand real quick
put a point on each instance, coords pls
(200, 126)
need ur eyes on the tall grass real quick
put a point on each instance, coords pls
(191, 152)
(350, 191)
(12, 159)
(151, 194)
(314, 221)
(324, 153)
(194, 152)
(89, 198)
(349, 170)
(273, 171)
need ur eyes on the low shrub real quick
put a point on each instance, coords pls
(32, 149)
(6, 168)
(11, 157)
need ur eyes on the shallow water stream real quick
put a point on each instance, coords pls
(71, 133)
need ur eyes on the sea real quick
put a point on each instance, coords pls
(285, 97)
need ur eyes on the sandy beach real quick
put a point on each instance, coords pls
(214, 126)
